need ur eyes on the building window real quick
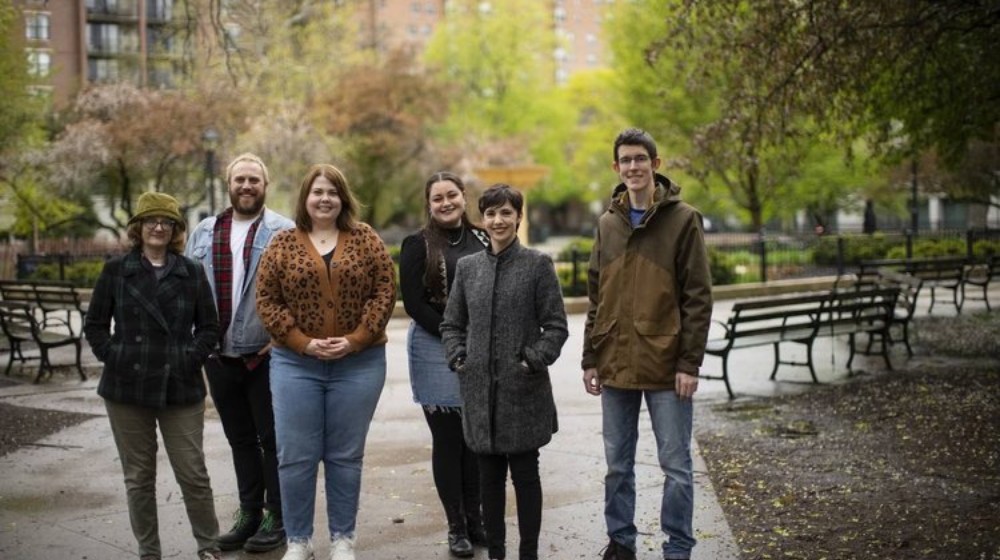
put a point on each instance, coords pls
(39, 63)
(415, 7)
(103, 6)
(159, 10)
(101, 70)
(427, 29)
(411, 30)
(159, 41)
(103, 38)
(431, 9)
(36, 26)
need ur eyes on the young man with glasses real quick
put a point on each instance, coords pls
(229, 246)
(650, 308)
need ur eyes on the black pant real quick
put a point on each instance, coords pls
(243, 399)
(456, 472)
(527, 492)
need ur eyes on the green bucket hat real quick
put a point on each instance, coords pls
(158, 204)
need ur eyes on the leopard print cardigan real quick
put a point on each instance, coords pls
(299, 300)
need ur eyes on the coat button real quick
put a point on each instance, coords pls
(138, 338)
(166, 367)
(135, 367)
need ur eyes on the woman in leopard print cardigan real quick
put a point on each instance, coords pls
(325, 292)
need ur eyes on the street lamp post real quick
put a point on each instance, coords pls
(914, 211)
(914, 203)
(210, 137)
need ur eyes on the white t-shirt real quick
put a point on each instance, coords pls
(237, 239)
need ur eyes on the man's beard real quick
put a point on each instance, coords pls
(251, 209)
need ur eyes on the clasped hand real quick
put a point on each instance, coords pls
(332, 348)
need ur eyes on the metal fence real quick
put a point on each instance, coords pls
(735, 258)
(741, 258)
(74, 260)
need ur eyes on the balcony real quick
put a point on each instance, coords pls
(112, 10)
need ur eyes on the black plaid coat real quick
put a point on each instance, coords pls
(163, 331)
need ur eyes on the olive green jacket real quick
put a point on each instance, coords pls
(650, 292)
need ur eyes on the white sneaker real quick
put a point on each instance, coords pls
(299, 550)
(343, 548)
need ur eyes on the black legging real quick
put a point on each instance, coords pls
(456, 474)
(527, 492)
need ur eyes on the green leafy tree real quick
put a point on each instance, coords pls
(699, 102)
(911, 75)
(497, 59)
(25, 208)
(577, 145)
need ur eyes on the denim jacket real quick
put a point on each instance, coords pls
(248, 333)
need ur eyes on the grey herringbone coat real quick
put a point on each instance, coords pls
(505, 315)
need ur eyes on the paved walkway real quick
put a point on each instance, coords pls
(64, 497)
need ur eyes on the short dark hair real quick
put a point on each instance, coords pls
(636, 137)
(348, 218)
(498, 194)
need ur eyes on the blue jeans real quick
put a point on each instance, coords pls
(322, 410)
(672, 422)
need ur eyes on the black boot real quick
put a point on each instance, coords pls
(458, 538)
(245, 525)
(474, 527)
(270, 535)
(458, 542)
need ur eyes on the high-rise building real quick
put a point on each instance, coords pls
(390, 24)
(578, 26)
(72, 43)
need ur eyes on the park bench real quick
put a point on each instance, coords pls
(47, 297)
(980, 276)
(945, 273)
(21, 327)
(801, 320)
(906, 305)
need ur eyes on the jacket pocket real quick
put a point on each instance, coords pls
(655, 351)
(602, 332)
(198, 253)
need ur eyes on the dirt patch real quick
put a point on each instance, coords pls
(896, 465)
(21, 426)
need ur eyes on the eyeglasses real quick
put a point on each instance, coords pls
(151, 223)
(638, 160)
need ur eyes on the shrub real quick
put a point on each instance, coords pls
(856, 248)
(930, 248)
(582, 246)
(565, 273)
(722, 273)
(82, 274)
(985, 248)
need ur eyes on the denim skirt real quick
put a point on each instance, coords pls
(432, 382)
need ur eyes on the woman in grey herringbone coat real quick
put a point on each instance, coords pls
(504, 325)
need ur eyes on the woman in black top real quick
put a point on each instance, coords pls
(427, 264)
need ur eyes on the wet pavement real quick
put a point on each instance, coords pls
(64, 498)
